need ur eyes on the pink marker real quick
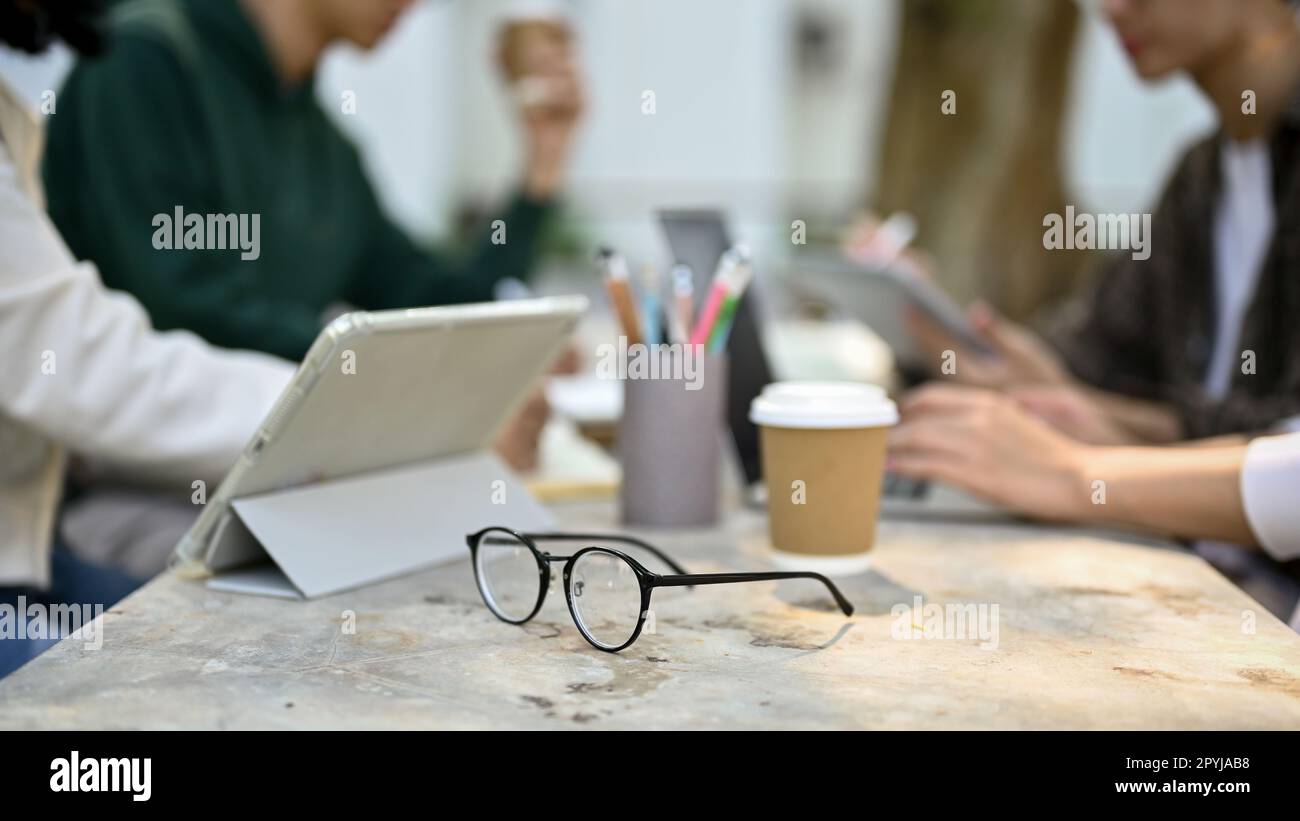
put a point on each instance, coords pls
(713, 303)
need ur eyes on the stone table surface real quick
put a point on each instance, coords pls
(1092, 632)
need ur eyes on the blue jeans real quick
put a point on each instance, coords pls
(74, 581)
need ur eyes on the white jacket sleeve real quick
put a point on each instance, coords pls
(1270, 493)
(82, 365)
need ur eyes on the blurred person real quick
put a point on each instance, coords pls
(1199, 341)
(984, 442)
(207, 107)
(84, 372)
(86, 375)
(1158, 353)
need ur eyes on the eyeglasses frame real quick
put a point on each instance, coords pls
(647, 579)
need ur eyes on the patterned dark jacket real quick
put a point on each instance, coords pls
(1147, 329)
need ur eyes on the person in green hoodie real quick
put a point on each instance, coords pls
(204, 111)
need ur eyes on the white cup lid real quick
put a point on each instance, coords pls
(823, 405)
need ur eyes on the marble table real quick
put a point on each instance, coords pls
(1092, 631)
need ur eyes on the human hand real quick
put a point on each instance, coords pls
(519, 443)
(874, 243)
(537, 59)
(1072, 411)
(569, 362)
(983, 442)
(1020, 356)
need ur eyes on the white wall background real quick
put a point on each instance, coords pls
(732, 128)
(833, 120)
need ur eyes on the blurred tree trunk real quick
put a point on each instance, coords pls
(980, 180)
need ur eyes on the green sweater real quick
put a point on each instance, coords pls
(186, 111)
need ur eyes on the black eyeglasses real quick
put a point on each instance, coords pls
(608, 592)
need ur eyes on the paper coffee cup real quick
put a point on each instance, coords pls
(531, 35)
(823, 450)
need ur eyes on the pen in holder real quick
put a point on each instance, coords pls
(670, 438)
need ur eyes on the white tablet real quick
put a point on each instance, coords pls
(881, 298)
(382, 393)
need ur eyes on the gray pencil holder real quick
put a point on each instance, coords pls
(670, 445)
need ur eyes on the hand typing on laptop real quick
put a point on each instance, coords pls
(986, 443)
(980, 441)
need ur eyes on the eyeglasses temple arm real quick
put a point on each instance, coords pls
(608, 537)
(692, 579)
